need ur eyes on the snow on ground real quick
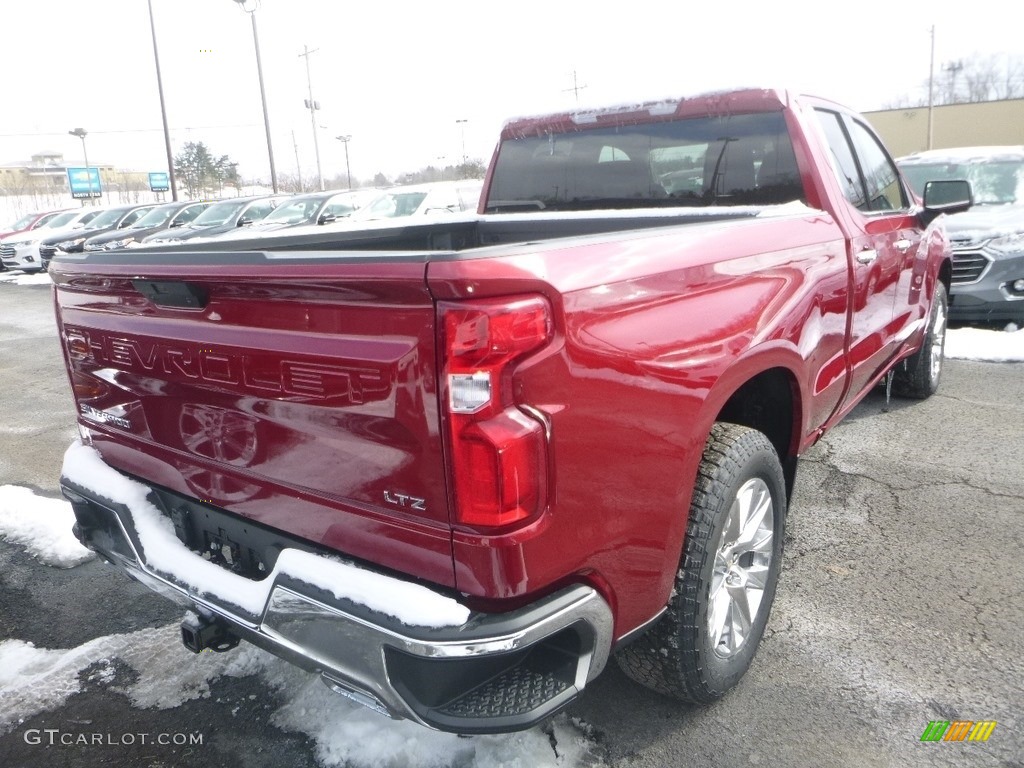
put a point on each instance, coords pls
(24, 278)
(42, 526)
(991, 346)
(33, 680)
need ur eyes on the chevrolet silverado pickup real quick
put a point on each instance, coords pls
(455, 467)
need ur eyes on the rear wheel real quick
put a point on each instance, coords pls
(726, 581)
(918, 376)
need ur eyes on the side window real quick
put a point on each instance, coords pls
(257, 211)
(339, 207)
(843, 164)
(132, 217)
(188, 214)
(885, 192)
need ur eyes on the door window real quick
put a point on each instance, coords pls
(865, 172)
(843, 164)
(884, 190)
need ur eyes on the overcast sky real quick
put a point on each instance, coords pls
(397, 75)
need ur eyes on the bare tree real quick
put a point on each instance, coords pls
(974, 79)
(1012, 84)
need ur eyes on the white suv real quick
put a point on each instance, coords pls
(21, 250)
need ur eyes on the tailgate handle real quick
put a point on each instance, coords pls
(172, 293)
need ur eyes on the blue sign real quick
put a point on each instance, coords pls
(84, 182)
(159, 182)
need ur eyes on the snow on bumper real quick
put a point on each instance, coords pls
(401, 648)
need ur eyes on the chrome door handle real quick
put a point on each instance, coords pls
(867, 255)
(902, 244)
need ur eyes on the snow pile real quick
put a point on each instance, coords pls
(33, 680)
(1005, 346)
(23, 278)
(409, 603)
(42, 526)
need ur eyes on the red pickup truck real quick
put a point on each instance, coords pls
(454, 466)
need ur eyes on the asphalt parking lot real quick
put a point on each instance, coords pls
(901, 602)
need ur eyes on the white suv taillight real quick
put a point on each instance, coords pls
(498, 452)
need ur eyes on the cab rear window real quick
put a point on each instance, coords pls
(733, 160)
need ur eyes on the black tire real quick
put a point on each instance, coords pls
(918, 376)
(679, 656)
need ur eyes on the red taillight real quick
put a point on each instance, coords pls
(498, 452)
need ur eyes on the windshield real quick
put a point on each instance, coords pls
(23, 222)
(294, 212)
(155, 218)
(107, 219)
(220, 213)
(61, 219)
(993, 182)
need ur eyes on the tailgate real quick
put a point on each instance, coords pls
(298, 392)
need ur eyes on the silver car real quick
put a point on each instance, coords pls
(987, 240)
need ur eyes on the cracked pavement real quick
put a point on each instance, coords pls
(901, 599)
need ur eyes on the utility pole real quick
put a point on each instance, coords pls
(576, 88)
(348, 169)
(298, 167)
(313, 106)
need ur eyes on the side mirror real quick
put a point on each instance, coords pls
(175, 224)
(326, 218)
(949, 196)
(244, 222)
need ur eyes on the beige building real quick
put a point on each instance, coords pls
(988, 123)
(42, 182)
(45, 171)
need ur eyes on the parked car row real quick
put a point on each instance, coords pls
(33, 240)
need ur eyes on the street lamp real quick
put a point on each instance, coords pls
(82, 133)
(348, 170)
(263, 91)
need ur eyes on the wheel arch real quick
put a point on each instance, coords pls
(765, 395)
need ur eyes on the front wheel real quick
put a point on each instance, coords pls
(726, 581)
(918, 376)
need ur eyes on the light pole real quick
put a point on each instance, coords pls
(263, 90)
(163, 110)
(462, 124)
(348, 169)
(82, 133)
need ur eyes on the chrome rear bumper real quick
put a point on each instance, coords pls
(492, 673)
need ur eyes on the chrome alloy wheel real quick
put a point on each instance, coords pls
(742, 562)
